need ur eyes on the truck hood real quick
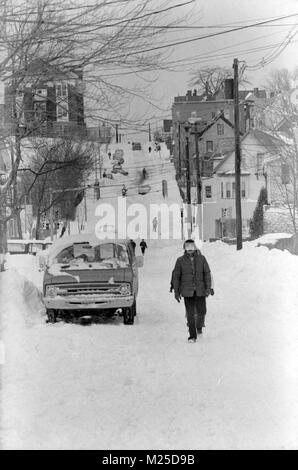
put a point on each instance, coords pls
(110, 276)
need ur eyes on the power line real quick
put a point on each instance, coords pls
(186, 41)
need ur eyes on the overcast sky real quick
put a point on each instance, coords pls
(221, 50)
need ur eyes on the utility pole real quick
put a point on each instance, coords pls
(179, 150)
(188, 182)
(237, 160)
(116, 133)
(149, 133)
(199, 181)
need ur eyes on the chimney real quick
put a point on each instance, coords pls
(188, 94)
(194, 92)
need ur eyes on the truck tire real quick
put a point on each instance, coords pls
(129, 314)
(52, 316)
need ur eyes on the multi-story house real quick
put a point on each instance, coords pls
(258, 151)
(207, 107)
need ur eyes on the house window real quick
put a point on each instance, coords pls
(243, 191)
(233, 190)
(209, 145)
(61, 111)
(285, 173)
(40, 110)
(220, 129)
(208, 192)
(61, 90)
(260, 162)
(228, 190)
(243, 161)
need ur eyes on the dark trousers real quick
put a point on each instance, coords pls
(195, 314)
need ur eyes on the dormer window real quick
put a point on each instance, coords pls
(220, 129)
(209, 145)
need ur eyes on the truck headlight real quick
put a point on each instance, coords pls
(125, 289)
(52, 291)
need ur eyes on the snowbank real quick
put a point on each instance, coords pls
(144, 387)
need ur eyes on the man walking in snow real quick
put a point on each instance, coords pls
(191, 279)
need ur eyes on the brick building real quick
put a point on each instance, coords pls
(47, 107)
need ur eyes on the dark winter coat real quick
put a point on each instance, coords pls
(143, 245)
(133, 245)
(191, 276)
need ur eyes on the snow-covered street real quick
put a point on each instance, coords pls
(148, 228)
(143, 386)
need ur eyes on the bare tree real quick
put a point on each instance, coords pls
(281, 80)
(44, 41)
(55, 168)
(281, 120)
(209, 80)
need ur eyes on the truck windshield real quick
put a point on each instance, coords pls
(106, 255)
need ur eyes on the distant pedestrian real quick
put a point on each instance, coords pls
(143, 246)
(62, 231)
(144, 172)
(154, 224)
(133, 246)
(149, 149)
(109, 155)
(124, 190)
(96, 190)
(191, 279)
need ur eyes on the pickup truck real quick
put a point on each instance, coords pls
(86, 277)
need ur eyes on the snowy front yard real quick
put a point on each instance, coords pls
(110, 386)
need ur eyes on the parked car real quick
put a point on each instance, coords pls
(18, 247)
(107, 175)
(24, 247)
(118, 169)
(119, 153)
(144, 189)
(86, 277)
(39, 245)
(123, 172)
(136, 146)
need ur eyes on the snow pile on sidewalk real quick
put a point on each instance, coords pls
(111, 386)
